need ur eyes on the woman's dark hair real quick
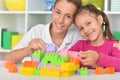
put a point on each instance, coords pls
(77, 3)
(92, 9)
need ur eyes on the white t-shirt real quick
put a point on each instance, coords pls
(42, 31)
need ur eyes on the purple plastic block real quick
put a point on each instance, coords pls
(40, 65)
(36, 60)
(51, 48)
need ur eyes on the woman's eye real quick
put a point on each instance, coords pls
(58, 12)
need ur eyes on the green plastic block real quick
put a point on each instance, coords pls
(37, 71)
(116, 34)
(38, 54)
(84, 71)
(7, 35)
(50, 59)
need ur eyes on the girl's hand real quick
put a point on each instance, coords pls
(117, 45)
(89, 58)
(37, 44)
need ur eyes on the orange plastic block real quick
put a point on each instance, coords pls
(75, 60)
(99, 70)
(30, 64)
(9, 64)
(49, 72)
(27, 71)
(69, 66)
(110, 70)
(13, 69)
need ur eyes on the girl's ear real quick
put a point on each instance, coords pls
(100, 20)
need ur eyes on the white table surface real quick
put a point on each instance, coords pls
(5, 75)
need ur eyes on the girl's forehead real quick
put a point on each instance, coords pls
(86, 13)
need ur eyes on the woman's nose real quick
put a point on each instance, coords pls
(61, 19)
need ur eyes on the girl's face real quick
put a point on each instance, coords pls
(62, 16)
(89, 25)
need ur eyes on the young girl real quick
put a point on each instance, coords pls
(98, 49)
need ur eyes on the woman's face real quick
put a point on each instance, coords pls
(62, 16)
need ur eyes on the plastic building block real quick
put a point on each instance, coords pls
(40, 65)
(74, 54)
(99, 70)
(49, 72)
(15, 40)
(83, 71)
(69, 66)
(13, 69)
(7, 39)
(30, 64)
(51, 48)
(67, 73)
(9, 64)
(49, 59)
(64, 52)
(110, 70)
(37, 54)
(53, 67)
(75, 60)
(27, 71)
(36, 71)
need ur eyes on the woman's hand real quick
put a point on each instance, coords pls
(37, 44)
(89, 58)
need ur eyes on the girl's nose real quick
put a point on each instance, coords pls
(85, 30)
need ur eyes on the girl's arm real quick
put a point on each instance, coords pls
(110, 61)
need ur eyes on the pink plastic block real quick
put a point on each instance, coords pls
(64, 52)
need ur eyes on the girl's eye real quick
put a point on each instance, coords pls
(88, 23)
(69, 16)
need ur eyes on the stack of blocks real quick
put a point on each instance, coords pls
(52, 64)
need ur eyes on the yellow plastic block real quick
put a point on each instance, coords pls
(67, 74)
(27, 71)
(69, 67)
(15, 40)
(49, 72)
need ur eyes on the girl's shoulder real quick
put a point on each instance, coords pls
(83, 41)
(111, 41)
